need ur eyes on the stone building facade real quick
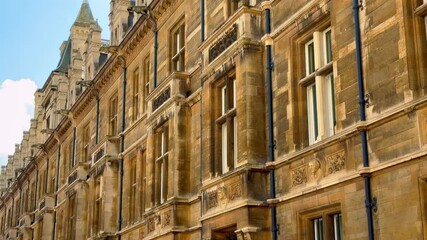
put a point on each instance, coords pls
(229, 119)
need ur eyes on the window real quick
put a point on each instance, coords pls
(146, 79)
(70, 156)
(86, 143)
(318, 229)
(337, 227)
(320, 86)
(227, 124)
(162, 150)
(135, 95)
(133, 192)
(97, 215)
(41, 188)
(113, 115)
(178, 48)
(48, 122)
(72, 218)
(143, 184)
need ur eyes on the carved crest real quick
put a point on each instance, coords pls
(335, 162)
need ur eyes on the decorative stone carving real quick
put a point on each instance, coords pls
(235, 191)
(151, 226)
(166, 218)
(153, 221)
(224, 194)
(212, 199)
(162, 98)
(335, 162)
(314, 166)
(229, 37)
(299, 175)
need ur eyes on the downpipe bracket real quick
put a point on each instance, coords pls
(372, 204)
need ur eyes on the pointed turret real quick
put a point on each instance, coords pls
(85, 16)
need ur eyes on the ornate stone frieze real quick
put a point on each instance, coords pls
(99, 154)
(166, 218)
(235, 191)
(72, 178)
(212, 199)
(335, 162)
(229, 37)
(299, 175)
(153, 221)
(224, 194)
(98, 170)
(162, 98)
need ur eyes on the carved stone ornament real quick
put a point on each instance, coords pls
(335, 162)
(212, 199)
(162, 98)
(314, 166)
(229, 37)
(166, 218)
(224, 194)
(235, 191)
(299, 175)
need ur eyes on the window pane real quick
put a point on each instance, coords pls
(328, 46)
(224, 148)
(235, 141)
(223, 100)
(338, 227)
(312, 113)
(330, 104)
(234, 97)
(309, 55)
(162, 181)
(318, 229)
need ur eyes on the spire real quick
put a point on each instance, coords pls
(85, 14)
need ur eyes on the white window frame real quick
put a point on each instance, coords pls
(321, 119)
(318, 229)
(228, 122)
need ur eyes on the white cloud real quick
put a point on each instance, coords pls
(16, 111)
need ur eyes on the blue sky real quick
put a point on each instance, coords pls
(31, 34)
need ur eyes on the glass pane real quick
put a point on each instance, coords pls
(328, 46)
(310, 114)
(224, 148)
(235, 141)
(318, 229)
(338, 227)
(309, 54)
(234, 94)
(223, 100)
(330, 102)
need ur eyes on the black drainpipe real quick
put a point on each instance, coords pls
(202, 39)
(155, 58)
(73, 158)
(122, 146)
(366, 177)
(202, 20)
(58, 161)
(46, 177)
(97, 121)
(271, 143)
